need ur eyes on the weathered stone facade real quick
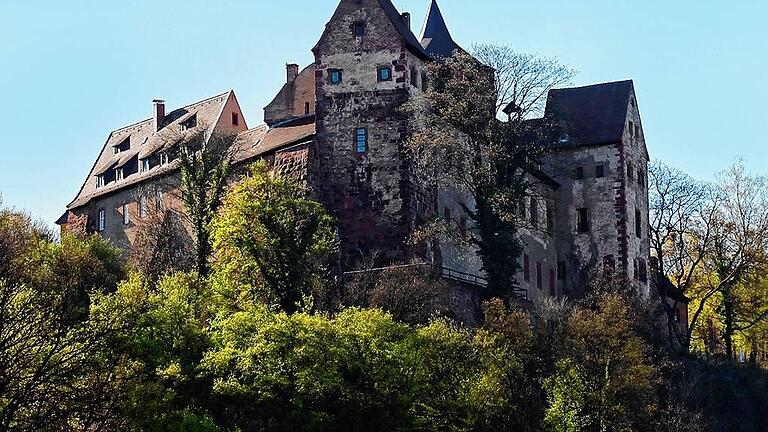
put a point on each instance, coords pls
(337, 125)
(360, 170)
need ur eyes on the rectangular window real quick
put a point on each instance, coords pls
(534, 213)
(599, 171)
(119, 174)
(306, 108)
(359, 29)
(638, 224)
(99, 181)
(164, 158)
(145, 166)
(552, 283)
(539, 277)
(385, 73)
(550, 218)
(126, 214)
(583, 220)
(143, 207)
(631, 129)
(334, 76)
(235, 119)
(361, 140)
(561, 270)
(630, 171)
(102, 220)
(414, 76)
(526, 268)
(643, 271)
(578, 173)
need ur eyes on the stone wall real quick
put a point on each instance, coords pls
(374, 194)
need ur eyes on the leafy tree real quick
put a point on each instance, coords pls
(605, 381)
(272, 241)
(460, 143)
(162, 245)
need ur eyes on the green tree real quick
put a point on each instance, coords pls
(272, 241)
(604, 381)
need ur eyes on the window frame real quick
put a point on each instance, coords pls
(235, 119)
(582, 220)
(102, 220)
(331, 73)
(381, 69)
(119, 174)
(126, 214)
(357, 143)
(599, 171)
(358, 25)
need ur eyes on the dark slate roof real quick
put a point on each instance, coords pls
(410, 39)
(590, 115)
(435, 37)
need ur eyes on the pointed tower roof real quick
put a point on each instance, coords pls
(435, 37)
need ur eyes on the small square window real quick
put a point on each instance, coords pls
(334, 76)
(599, 171)
(359, 29)
(385, 73)
(235, 119)
(361, 140)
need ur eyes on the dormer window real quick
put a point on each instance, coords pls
(145, 166)
(164, 158)
(189, 123)
(385, 73)
(119, 174)
(100, 181)
(334, 76)
(125, 145)
(359, 29)
(235, 119)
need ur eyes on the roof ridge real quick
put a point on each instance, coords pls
(627, 81)
(181, 107)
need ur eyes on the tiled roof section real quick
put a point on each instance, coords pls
(410, 39)
(435, 37)
(144, 141)
(288, 134)
(590, 115)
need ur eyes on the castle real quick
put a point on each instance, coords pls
(336, 124)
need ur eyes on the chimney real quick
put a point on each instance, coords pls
(159, 113)
(291, 72)
(406, 17)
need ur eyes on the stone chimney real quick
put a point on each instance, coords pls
(291, 72)
(159, 114)
(406, 17)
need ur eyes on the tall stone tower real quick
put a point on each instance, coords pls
(368, 63)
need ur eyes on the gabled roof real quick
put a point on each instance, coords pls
(435, 37)
(591, 115)
(408, 37)
(144, 141)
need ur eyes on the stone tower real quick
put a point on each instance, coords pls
(368, 63)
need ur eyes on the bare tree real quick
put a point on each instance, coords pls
(682, 218)
(459, 143)
(162, 244)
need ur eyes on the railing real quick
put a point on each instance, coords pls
(447, 273)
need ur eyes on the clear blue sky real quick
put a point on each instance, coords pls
(72, 71)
